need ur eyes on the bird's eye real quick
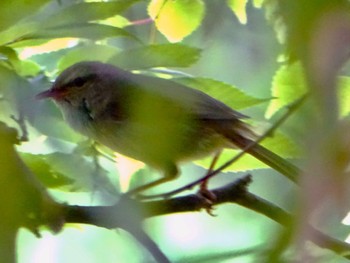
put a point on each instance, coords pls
(78, 82)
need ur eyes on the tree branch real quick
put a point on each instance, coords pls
(120, 214)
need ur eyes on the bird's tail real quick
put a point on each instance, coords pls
(271, 159)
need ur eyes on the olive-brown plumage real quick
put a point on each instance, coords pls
(156, 121)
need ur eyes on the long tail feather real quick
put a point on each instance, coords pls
(273, 160)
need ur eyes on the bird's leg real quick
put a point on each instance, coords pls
(204, 192)
(204, 184)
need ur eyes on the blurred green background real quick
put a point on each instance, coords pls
(244, 55)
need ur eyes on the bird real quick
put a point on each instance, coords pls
(157, 121)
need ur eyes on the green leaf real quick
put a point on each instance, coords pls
(43, 115)
(69, 172)
(85, 30)
(279, 144)
(166, 55)
(90, 52)
(228, 94)
(258, 3)
(344, 95)
(288, 85)
(13, 11)
(9, 54)
(296, 22)
(238, 7)
(28, 68)
(47, 175)
(44, 21)
(176, 19)
(84, 12)
(22, 67)
(10, 85)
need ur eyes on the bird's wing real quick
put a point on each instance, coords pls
(197, 103)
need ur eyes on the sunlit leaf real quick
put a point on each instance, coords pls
(117, 21)
(224, 92)
(258, 3)
(287, 86)
(166, 55)
(344, 95)
(176, 19)
(239, 9)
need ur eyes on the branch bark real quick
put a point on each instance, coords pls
(120, 214)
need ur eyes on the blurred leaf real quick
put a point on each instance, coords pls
(13, 11)
(62, 19)
(84, 30)
(85, 148)
(117, 21)
(228, 94)
(28, 68)
(279, 144)
(22, 67)
(87, 11)
(43, 115)
(49, 176)
(13, 87)
(9, 81)
(344, 95)
(9, 54)
(288, 85)
(75, 172)
(295, 21)
(258, 3)
(15, 33)
(176, 19)
(238, 7)
(90, 52)
(50, 59)
(166, 55)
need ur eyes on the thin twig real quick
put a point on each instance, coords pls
(141, 22)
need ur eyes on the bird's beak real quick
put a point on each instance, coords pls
(50, 93)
